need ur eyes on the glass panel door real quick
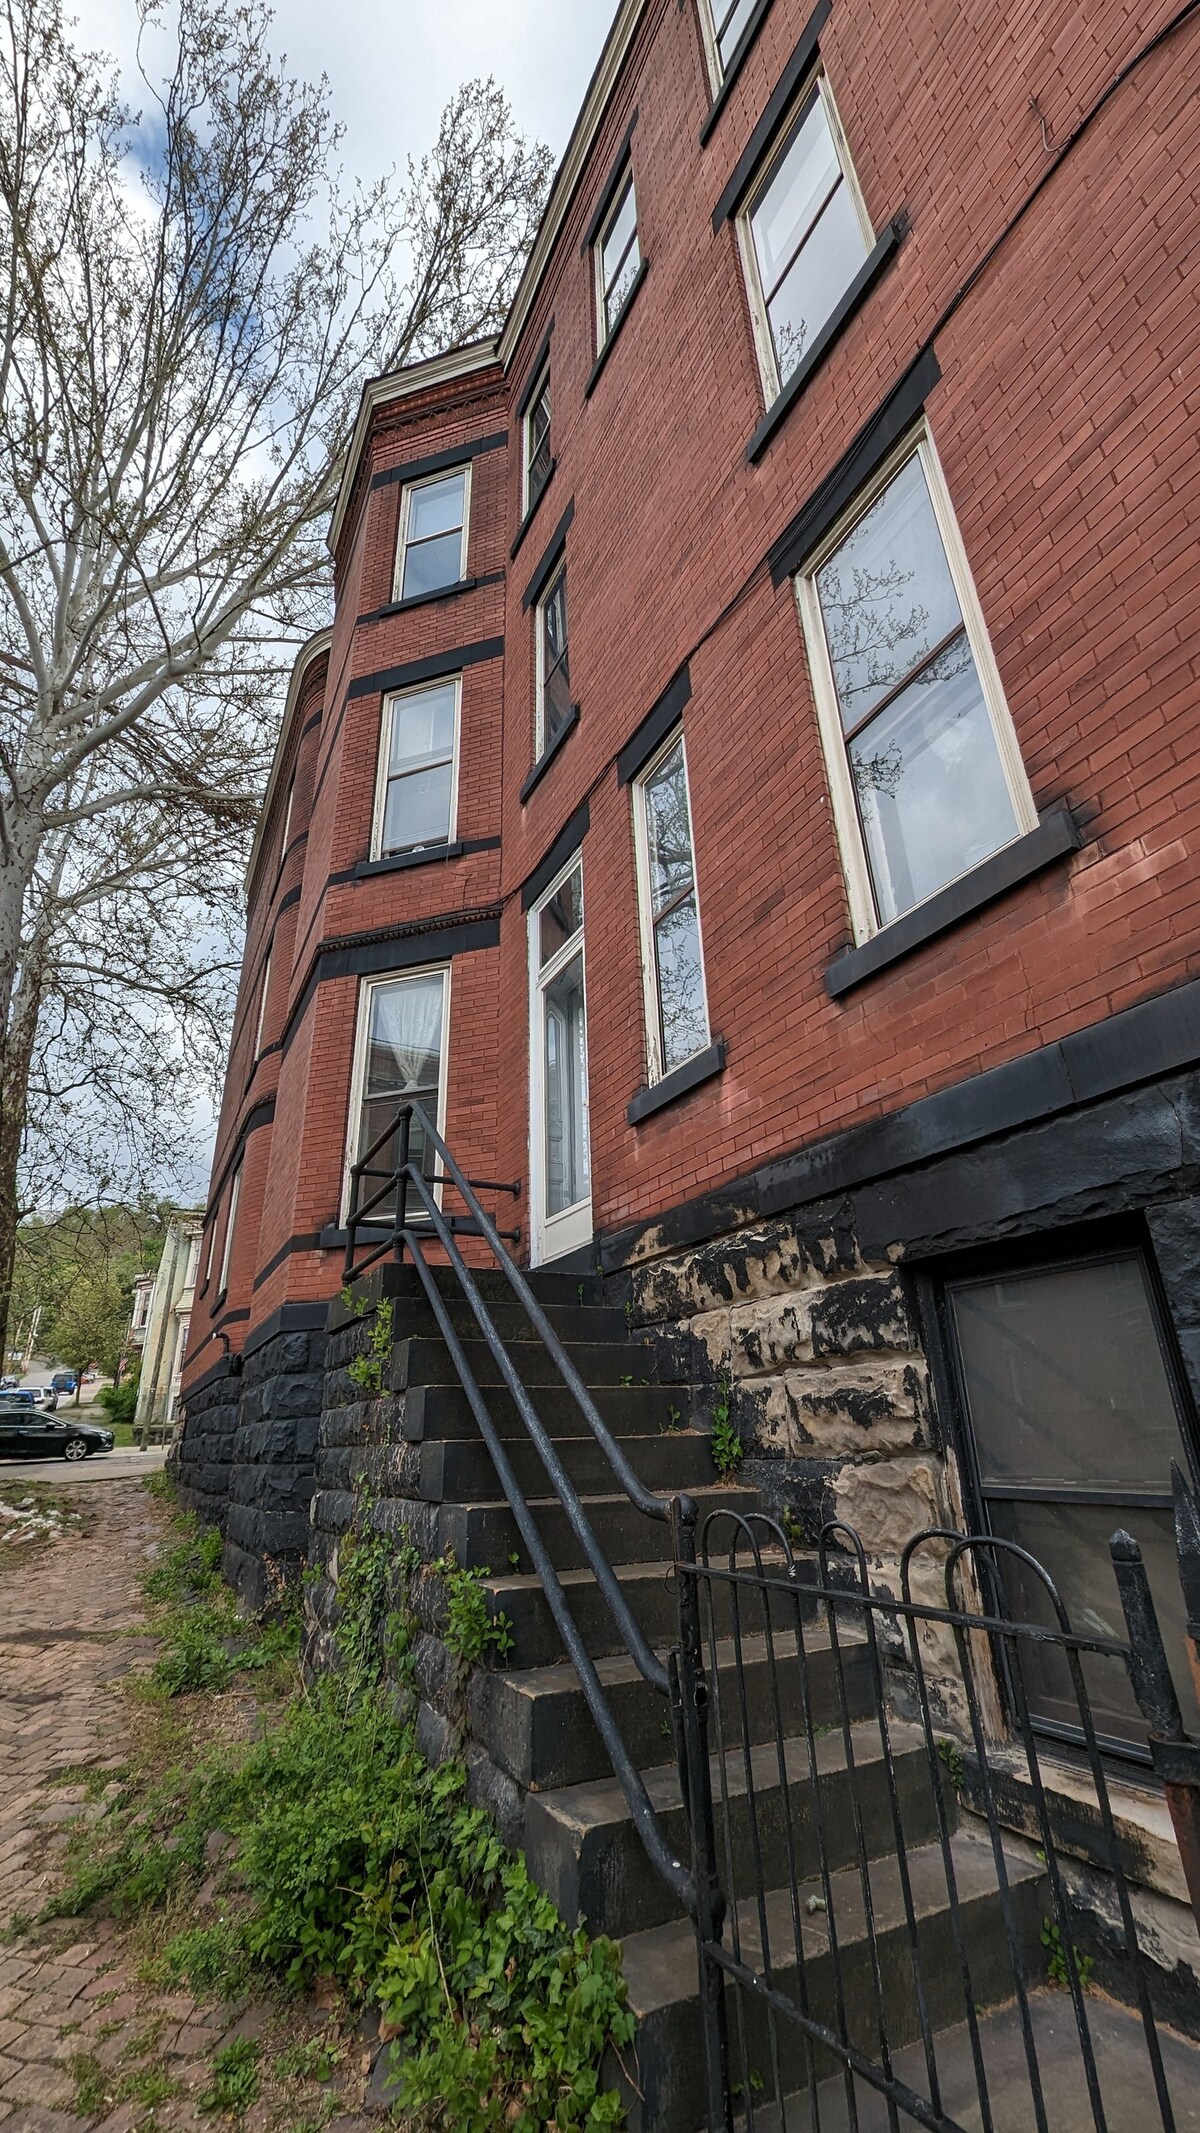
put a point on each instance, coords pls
(561, 1157)
(1074, 1424)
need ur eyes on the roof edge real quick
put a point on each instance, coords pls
(315, 648)
(399, 385)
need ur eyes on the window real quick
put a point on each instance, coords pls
(230, 1219)
(672, 959)
(805, 235)
(926, 776)
(415, 800)
(1074, 1420)
(212, 1249)
(617, 258)
(193, 1262)
(553, 666)
(262, 1006)
(433, 535)
(561, 1179)
(538, 458)
(401, 1055)
(723, 22)
(287, 818)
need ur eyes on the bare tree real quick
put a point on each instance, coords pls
(190, 299)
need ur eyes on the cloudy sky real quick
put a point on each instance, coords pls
(391, 69)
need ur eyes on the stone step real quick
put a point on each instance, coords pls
(649, 1589)
(629, 1410)
(414, 1320)
(427, 1362)
(661, 1972)
(583, 1848)
(463, 1472)
(1123, 2068)
(403, 1285)
(536, 1725)
(485, 1536)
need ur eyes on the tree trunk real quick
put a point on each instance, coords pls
(20, 1005)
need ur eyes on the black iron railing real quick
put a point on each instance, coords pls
(900, 1926)
(384, 1214)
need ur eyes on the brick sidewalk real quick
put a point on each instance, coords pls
(70, 1987)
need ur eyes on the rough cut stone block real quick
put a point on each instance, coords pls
(771, 1334)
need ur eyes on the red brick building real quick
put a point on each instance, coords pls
(750, 784)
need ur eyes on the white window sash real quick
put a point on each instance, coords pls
(625, 184)
(358, 1075)
(230, 1220)
(383, 776)
(851, 843)
(540, 737)
(652, 1002)
(262, 1006)
(764, 339)
(411, 488)
(530, 449)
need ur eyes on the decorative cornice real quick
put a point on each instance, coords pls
(316, 648)
(400, 385)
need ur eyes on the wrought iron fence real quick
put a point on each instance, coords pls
(910, 1911)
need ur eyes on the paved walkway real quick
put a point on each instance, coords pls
(118, 1465)
(70, 1988)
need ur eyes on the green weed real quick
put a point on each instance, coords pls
(367, 1371)
(1057, 1968)
(728, 1451)
(234, 2084)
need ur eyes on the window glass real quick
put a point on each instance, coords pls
(620, 258)
(730, 19)
(554, 692)
(568, 1178)
(561, 918)
(808, 239)
(433, 541)
(932, 795)
(231, 1218)
(420, 768)
(1069, 1402)
(537, 444)
(404, 1051)
(678, 1007)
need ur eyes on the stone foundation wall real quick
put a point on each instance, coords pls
(273, 1463)
(201, 1457)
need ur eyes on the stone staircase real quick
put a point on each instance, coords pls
(534, 1752)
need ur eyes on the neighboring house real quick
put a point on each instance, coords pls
(162, 1304)
(756, 797)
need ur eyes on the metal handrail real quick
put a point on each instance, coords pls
(408, 1177)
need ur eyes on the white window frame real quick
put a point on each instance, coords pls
(287, 817)
(358, 1074)
(709, 11)
(382, 774)
(410, 489)
(540, 740)
(625, 183)
(192, 1265)
(764, 339)
(851, 844)
(235, 1189)
(541, 385)
(262, 1005)
(553, 1235)
(655, 1068)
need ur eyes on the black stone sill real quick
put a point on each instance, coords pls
(685, 1078)
(531, 514)
(548, 754)
(835, 325)
(442, 592)
(734, 68)
(609, 344)
(427, 855)
(1056, 834)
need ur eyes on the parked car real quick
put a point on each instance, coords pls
(7, 1384)
(30, 1432)
(63, 1381)
(45, 1397)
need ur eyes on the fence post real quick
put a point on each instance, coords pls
(690, 1696)
(1176, 1756)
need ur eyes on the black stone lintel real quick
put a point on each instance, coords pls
(548, 754)
(426, 855)
(762, 140)
(606, 351)
(552, 862)
(430, 599)
(835, 325)
(654, 728)
(609, 191)
(681, 1082)
(1056, 834)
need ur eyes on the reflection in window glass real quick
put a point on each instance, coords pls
(537, 443)
(434, 517)
(1069, 1402)
(554, 671)
(933, 798)
(729, 20)
(619, 258)
(420, 768)
(568, 1178)
(403, 1059)
(678, 973)
(808, 239)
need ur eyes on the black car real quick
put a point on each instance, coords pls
(28, 1432)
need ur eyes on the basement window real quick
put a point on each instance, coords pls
(416, 792)
(432, 550)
